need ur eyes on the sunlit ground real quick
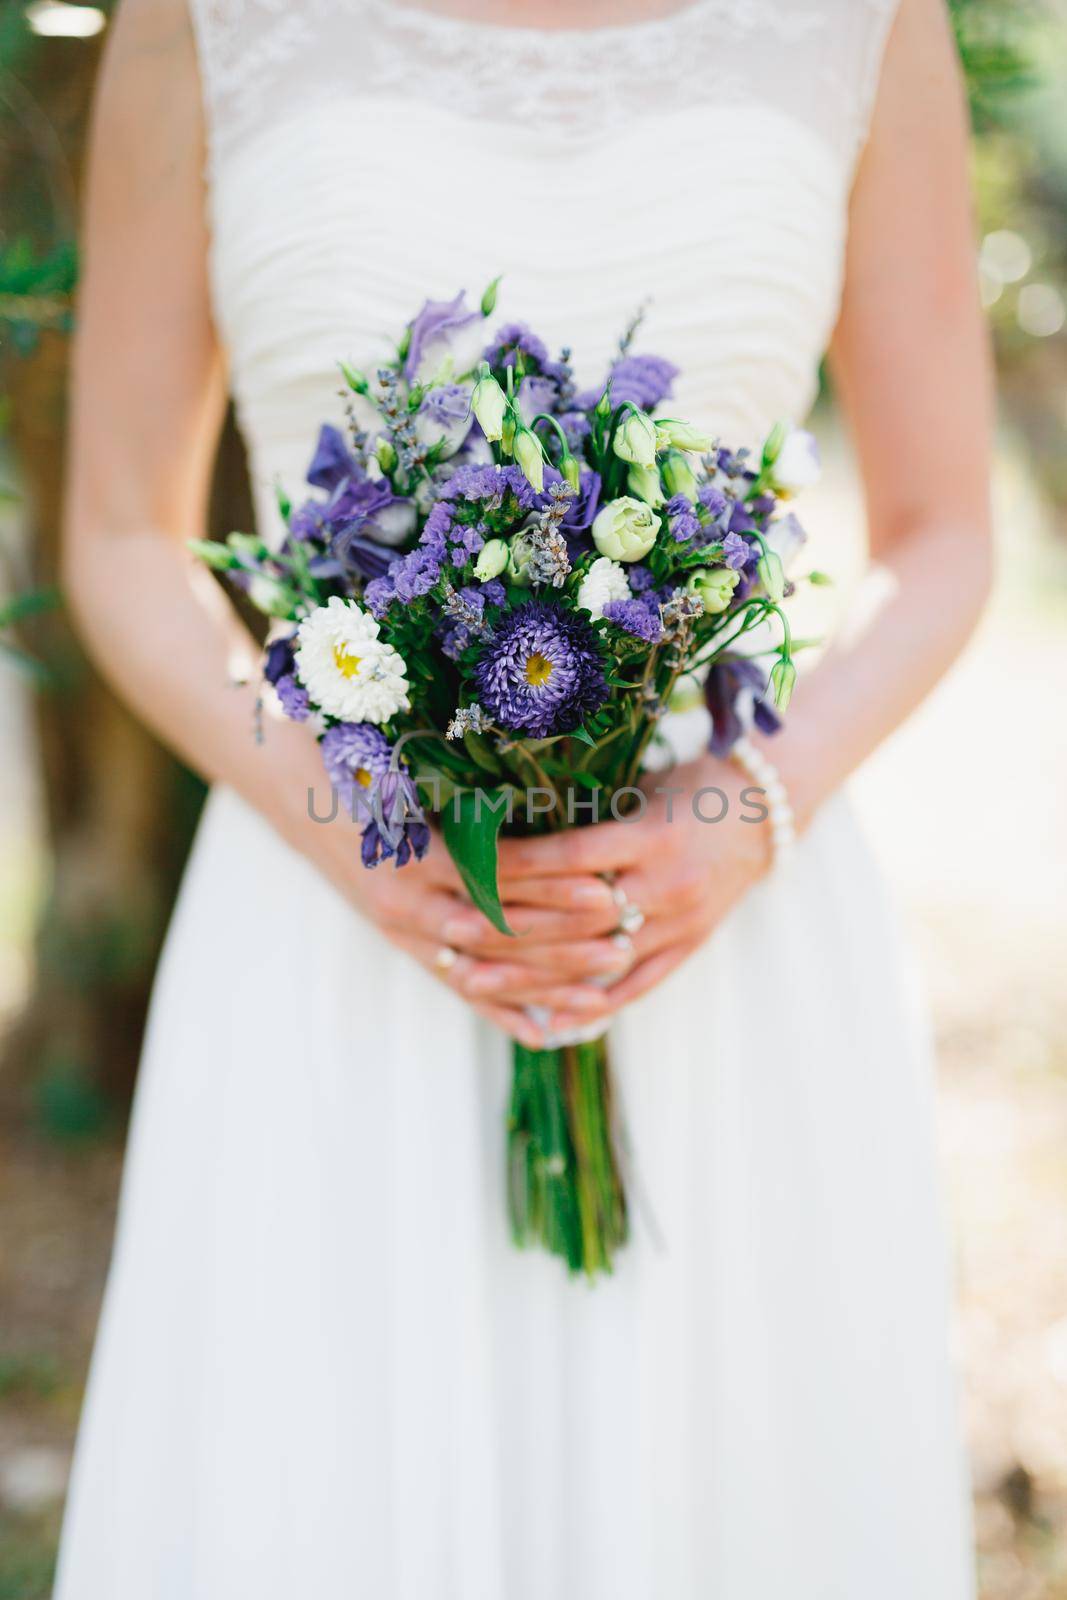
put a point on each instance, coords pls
(965, 809)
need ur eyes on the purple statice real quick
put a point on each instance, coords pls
(379, 595)
(293, 698)
(513, 340)
(488, 485)
(643, 380)
(640, 618)
(736, 552)
(640, 577)
(683, 521)
(713, 500)
(494, 592)
(540, 672)
(736, 689)
(436, 326)
(576, 426)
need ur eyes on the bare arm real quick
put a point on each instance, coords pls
(912, 367)
(146, 403)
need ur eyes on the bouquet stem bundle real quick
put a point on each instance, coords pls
(564, 1186)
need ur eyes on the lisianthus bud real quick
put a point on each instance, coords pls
(520, 555)
(488, 304)
(530, 458)
(492, 559)
(270, 596)
(508, 429)
(714, 587)
(489, 404)
(571, 472)
(603, 405)
(783, 679)
(644, 483)
(386, 454)
(771, 575)
(625, 529)
(796, 466)
(673, 433)
(354, 378)
(679, 476)
(635, 439)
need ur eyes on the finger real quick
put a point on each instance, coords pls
(663, 888)
(607, 847)
(502, 994)
(559, 891)
(647, 974)
(469, 929)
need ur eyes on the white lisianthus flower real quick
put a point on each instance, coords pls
(605, 581)
(644, 483)
(714, 587)
(625, 529)
(492, 559)
(797, 465)
(345, 667)
(672, 433)
(635, 439)
(786, 537)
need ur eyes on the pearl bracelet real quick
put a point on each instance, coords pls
(765, 775)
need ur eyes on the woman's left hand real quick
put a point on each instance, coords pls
(684, 862)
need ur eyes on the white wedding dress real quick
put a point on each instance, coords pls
(322, 1370)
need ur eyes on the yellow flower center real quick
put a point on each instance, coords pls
(538, 669)
(362, 777)
(346, 665)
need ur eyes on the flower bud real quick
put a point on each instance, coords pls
(488, 303)
(771, 575)
(489, 404)
(571, 472)
(635, 439)
(603, 406)
(530, 458)
(644, 483)
(714, 588)
(679, 477)
(492, 559)
(520, 555)
(354, 378)
(625, 529)
(386, 454)
(507, 433)
(783, 679)
(673, 433)
(796, 466)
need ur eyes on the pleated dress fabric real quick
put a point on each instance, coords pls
(322, 1369)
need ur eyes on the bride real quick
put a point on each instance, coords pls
(321, 1369)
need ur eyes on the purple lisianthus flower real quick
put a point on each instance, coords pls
(397, 829)
(511, 341)
(581, 507)
(445, 415)
(535, 395)
(278, 659)
(640, 618)
(735, 690)
(293, 698)
(540, 671)
(736, 551)
(332, 461)
(441, 328)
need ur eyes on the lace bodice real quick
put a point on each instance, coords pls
(366, 154)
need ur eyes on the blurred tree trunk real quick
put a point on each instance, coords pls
(119, 811)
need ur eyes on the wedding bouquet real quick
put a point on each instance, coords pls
(499, 587)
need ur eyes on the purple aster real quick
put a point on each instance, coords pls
(540, 671)
(637, 617)
(293, 698)
(511, 341)
(355, 751)
(731, 682)
(735, 551)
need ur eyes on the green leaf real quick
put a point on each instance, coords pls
(471, 823)
(212, 554)
(585, 736)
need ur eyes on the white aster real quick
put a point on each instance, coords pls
(605, 581)
(346, 669)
